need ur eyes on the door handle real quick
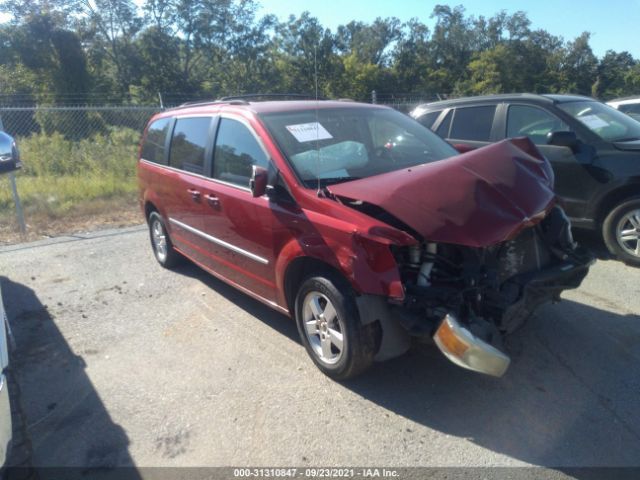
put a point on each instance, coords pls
(212, 200)
(195, 194)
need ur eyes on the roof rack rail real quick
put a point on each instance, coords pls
(244, 99)
(282, 96)
(197, 103)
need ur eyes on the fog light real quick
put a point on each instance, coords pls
(468, 351)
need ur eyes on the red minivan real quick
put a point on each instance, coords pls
(361, 224)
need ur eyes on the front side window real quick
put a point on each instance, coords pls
(532, 122)
(154, 142)
(332, 145)
(473, 123)
(237, 150)
(606, 122)
(189, 143)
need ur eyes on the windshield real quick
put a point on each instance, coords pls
(606, 122)
(328, 146)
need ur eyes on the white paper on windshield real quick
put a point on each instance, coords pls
(308, 132)
(593, 121)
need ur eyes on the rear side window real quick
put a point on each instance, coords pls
(189, 143)
(428, 118)
(630, 108)
(473, 123)
(236, 152)
(153, 146)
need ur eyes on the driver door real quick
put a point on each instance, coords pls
(573, 180)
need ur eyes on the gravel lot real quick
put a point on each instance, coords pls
(123, 363)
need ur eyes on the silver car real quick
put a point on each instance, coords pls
(629, 105)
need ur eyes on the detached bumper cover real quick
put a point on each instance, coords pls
(536, 288)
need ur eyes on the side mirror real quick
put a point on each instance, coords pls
(9, 155)
(258, 181)
(563, 139)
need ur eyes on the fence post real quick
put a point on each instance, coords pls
(16, 198)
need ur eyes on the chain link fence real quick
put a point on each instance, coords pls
(80, 160)
(405, 102)
(78, 163)
(74, 123)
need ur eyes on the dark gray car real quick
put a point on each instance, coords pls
(594, 150)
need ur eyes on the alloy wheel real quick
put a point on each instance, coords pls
(159, 237)
(323, 327)
(628, 232)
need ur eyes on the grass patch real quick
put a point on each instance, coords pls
(71, 179)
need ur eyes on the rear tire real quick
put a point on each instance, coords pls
(330, 329)
(621, 231)
(161, 244)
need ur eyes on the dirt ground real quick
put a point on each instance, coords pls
(120, 362)
(96, 215)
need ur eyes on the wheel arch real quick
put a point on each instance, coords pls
(615, 197)
(149, 207)
(297, 270)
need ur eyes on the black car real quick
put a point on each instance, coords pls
(594, 150)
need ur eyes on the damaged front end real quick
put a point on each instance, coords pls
(467, 298)
(492, 246)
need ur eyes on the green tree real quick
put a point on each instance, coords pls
(612, 75)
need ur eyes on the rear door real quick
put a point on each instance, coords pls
(469, 126)
(185, 183)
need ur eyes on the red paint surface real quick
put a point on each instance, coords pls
(477, 199)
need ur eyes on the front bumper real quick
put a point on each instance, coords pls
(538, 287)
(5, 420)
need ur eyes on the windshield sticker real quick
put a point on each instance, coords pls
(308, 132)
(593, 121)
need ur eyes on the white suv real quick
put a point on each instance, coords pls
(629, 105)
(5, 410)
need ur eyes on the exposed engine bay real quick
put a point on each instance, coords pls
(492, 289)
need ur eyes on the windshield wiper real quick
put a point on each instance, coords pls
(628, 139)
(332, 180)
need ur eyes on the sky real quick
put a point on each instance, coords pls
(612, 23)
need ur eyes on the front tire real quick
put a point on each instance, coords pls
(330, 327)
(621, 231)
(161, 244)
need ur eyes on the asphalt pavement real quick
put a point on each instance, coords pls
(121, 362)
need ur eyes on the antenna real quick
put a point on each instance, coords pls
(315, 78)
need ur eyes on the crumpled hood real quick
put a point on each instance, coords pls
(477, 199)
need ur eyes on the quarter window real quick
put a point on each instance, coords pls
(237, 150)
(428, 118)
(153, 147)
(189, 143)
(532, 122)
(473, 123)
(445, 125)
